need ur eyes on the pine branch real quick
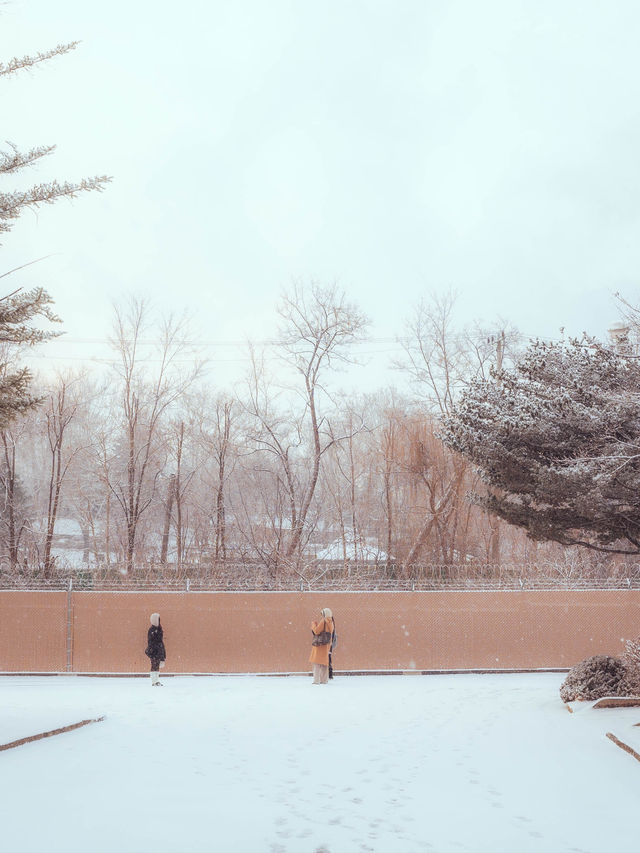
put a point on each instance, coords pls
(20, 63)
(13, 204)
(16, 269)
(15, 160)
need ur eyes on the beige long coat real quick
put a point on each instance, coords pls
(320, 654)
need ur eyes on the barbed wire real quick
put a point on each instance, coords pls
(249, 578)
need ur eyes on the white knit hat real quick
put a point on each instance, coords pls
(155, 619)
(326, 613)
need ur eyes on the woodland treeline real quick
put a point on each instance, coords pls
(157, 470)
(149, 469)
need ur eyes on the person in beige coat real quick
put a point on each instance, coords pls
(322, 630)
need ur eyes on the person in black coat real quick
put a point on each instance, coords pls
(334, 643)
(155, 649)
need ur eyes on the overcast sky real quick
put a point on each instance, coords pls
(396, 148)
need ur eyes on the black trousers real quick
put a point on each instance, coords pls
(155, 664)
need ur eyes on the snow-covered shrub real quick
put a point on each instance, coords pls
(631, 661)
(598, 676)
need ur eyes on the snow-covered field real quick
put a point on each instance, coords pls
(380, 763)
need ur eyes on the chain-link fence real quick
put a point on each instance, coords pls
(105, 631)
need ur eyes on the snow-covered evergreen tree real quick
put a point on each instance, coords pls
(19, 309)
(557, 442)
(17, 313)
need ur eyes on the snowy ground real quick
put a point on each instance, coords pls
(392, 764)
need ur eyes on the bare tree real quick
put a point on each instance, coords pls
(60, 411)
(12, 513)
(217, 438)
(442, 476)
(441, 359)
(178, 486)
(345, 473)
(149, 387)
(390, 437)
(317, 330)
(168, 514)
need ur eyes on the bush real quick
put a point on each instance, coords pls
(631, 660)
(598, 676)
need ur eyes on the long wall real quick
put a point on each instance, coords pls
(270, 632)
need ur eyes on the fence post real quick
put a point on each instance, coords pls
(70, 626)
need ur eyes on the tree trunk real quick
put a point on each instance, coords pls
(55, 485)
(179, 496)
(221, 541)
(10, 482)
(171, 489)
(131, 503)
(298, 527)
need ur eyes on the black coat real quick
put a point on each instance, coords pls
(155, 645)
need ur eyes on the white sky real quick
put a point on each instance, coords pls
(397, 148)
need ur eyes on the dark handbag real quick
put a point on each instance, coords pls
(321, 639)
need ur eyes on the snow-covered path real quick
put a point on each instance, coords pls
(380, 763)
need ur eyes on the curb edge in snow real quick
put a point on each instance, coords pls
(337, 672)
(42, 735)
(623, 745)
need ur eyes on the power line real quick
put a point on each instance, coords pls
(392, 346)
(478, 337)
